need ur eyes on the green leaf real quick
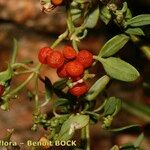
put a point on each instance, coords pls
(119, 69)
(6, 75)
(92, 18)
(128, 14)
(74, 122)
(126, 128)
(94, 117)
(105, 14)
(61, 102)
(75, 17)
(134, 31)
(113, 45)
(60, 84)
(139, 140)
(112, 106)
(48, 91)
(139, 20)
(97, 88)
(115, 148)
(128, 146)
(75, 13)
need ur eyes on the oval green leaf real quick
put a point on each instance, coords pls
(92, 18)
(139, 140)
(6, 75)
(97, 88)
(134, 31)
(113, 45)
(74, 122)
(112, 106)
(119, 69)
(139, 20)
(105, 14)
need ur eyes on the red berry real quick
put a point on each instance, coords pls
(62, 73)
(55, 59)
(79, 89)
(69, 52)
(2, 89)
(74, 69)
(85, 58)
(43, 54)
(56, 2)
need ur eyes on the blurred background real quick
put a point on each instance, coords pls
(24, 20)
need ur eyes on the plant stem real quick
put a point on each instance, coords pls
(15, 50)
(100, 107)
(23, 72)
(36, 87)
(85, 138)
(60, 38)
(18, 65)
(71, 29)
(20, 87)
(74, 44)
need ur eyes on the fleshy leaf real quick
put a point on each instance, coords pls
(48, 91)
(113, 45)
(134, 31)
(6, 75)
(119, 69)
(61, 102)
(74, 122)
(139, 140)
(97, 88)
(105, 14)
(139, 20)
(92, 18)
(112, 106)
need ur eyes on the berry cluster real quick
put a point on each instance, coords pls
(69, 64)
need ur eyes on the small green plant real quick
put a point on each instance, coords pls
(73, 100)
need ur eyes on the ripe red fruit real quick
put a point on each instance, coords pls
(85, 58)
(55, 59)
(79, 89)
(62, 73)
(74, 69)
(56, 2)
(69, 52)
(42, 55)
(2, 89)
